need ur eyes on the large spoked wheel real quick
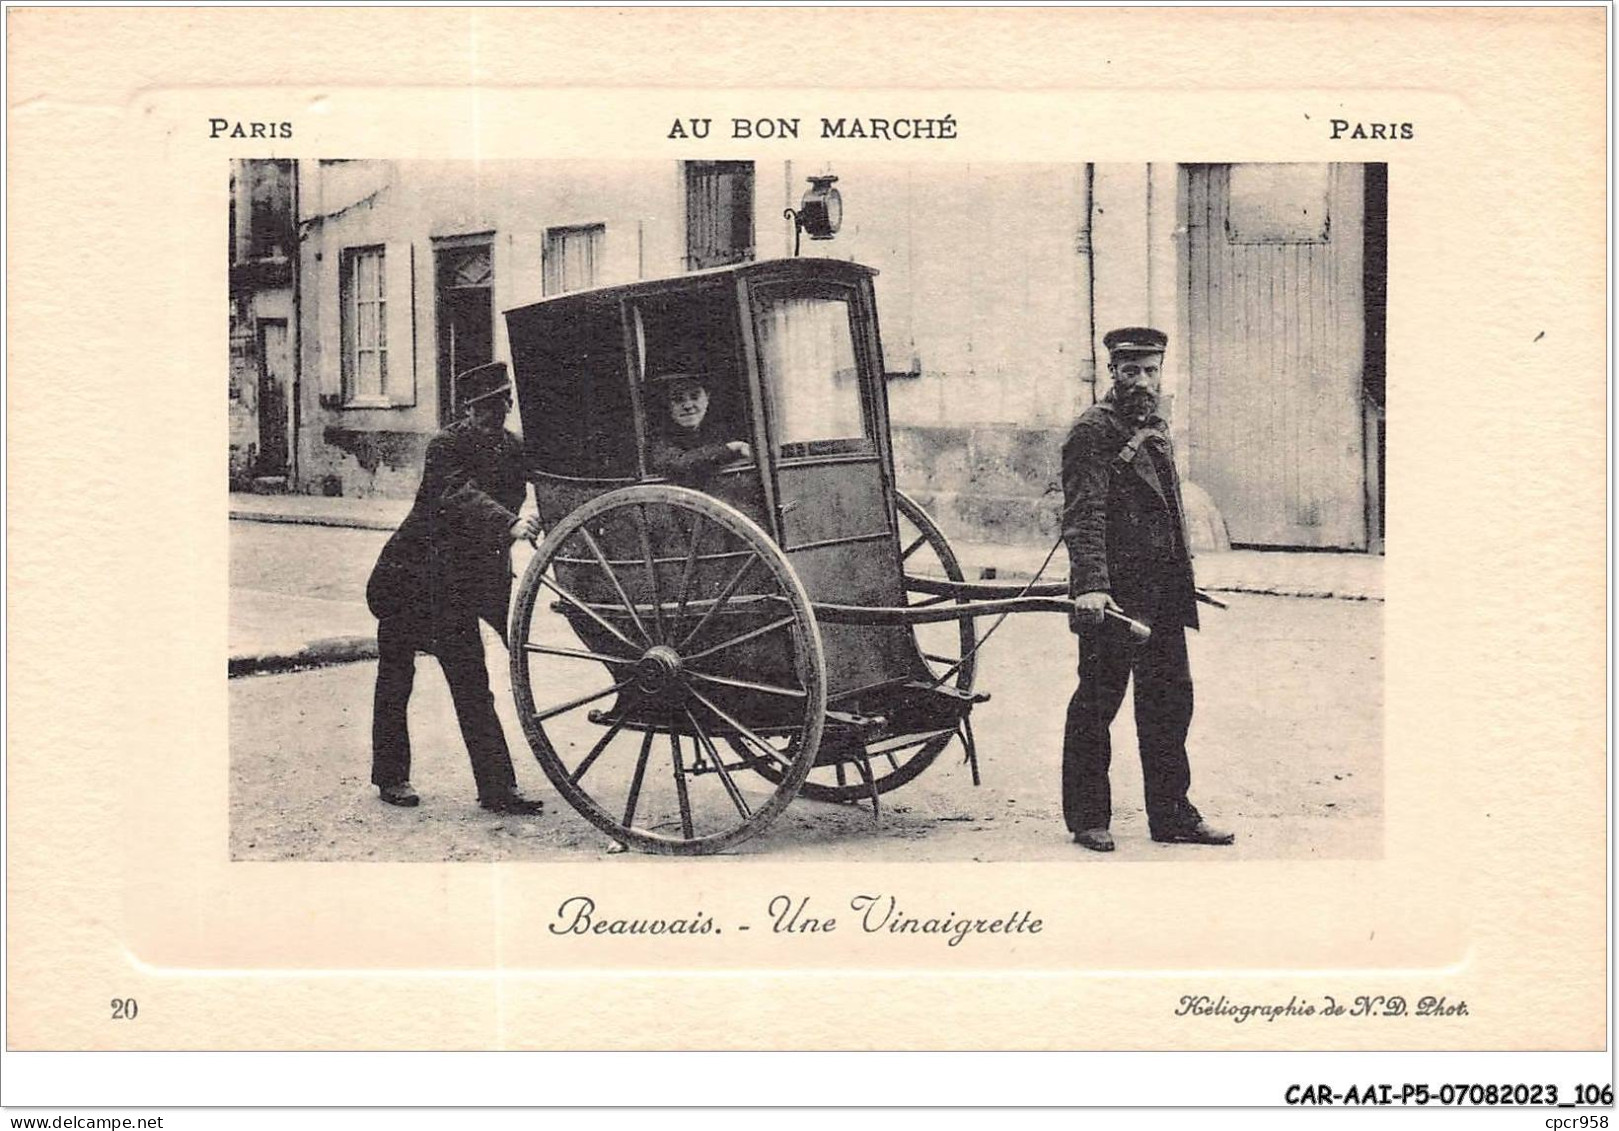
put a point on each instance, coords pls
(661, 644)
(947, 649)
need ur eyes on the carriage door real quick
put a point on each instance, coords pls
(1277, 322)
(831, 495)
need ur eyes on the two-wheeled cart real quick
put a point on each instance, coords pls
(688, 658)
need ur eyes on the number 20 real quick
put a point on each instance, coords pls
(124, 1009)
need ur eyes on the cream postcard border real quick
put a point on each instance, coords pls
(1495, 835)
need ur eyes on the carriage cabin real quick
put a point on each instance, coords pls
(790, 356)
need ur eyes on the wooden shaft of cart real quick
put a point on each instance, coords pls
(932, 614)
(984, 589)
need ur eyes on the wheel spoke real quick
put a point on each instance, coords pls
(719, 765)
(719, 603)
(955, 666)
(746, 685)
(941, 659)
(618, 587)
(551, 712)
(596, 752)
(922, 540)
(651, 570)
(742, 731)
(680, 785)
(735, 640)
(843, 777)
(575, 653)
(691, 567)
(635, 782)
(589, 612)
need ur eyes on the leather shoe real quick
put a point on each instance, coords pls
(513, 802)
(1097, 840)
(1194, 832)
(401, 794)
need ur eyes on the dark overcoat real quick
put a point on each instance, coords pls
(1123, 519)
(689, 455)
(449, 561)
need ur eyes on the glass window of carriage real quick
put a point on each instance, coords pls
(685, 340)
(809, 366)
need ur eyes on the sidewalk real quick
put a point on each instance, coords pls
(272, 632)
(1279, 573)
(314, 510)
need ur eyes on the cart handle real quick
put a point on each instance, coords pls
(944, 587)
(933, 614)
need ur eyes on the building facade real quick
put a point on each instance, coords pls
(996, 284)
(263, 322)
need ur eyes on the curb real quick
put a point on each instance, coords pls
(316, 654)
(1015, 574)
(1285, 591)
(359, 522)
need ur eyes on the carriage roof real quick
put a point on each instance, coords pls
(810, 268)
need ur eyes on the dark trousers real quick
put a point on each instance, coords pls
(1163, 694)
(460, 654)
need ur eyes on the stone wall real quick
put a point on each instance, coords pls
(247, 308)
(984, 483)
(243, 409)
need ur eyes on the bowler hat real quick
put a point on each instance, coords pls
(485, 381)
(1135, 339)
(674, 377)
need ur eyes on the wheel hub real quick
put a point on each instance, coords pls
(659, 670)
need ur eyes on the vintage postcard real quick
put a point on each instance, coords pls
(810, 529)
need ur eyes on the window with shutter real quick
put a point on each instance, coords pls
(719, 213)
(376, 323)
(365, 326)
(572, 257)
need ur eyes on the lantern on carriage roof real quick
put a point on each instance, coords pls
(820, 213)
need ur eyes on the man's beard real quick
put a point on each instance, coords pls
(1138, 406)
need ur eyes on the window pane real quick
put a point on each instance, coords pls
(719, 213)
(571, 256)
(364, 323)
(807, 350)
(370, 376)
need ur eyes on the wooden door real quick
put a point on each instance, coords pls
(1276, 333)
(464, 273)
(275, 378)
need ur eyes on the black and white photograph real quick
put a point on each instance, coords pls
(808, 510)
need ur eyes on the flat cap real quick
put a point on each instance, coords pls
(1135, 339)
(483, 382)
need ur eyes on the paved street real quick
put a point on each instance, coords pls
(1286, 744)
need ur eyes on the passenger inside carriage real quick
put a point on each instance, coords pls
(688, 443)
